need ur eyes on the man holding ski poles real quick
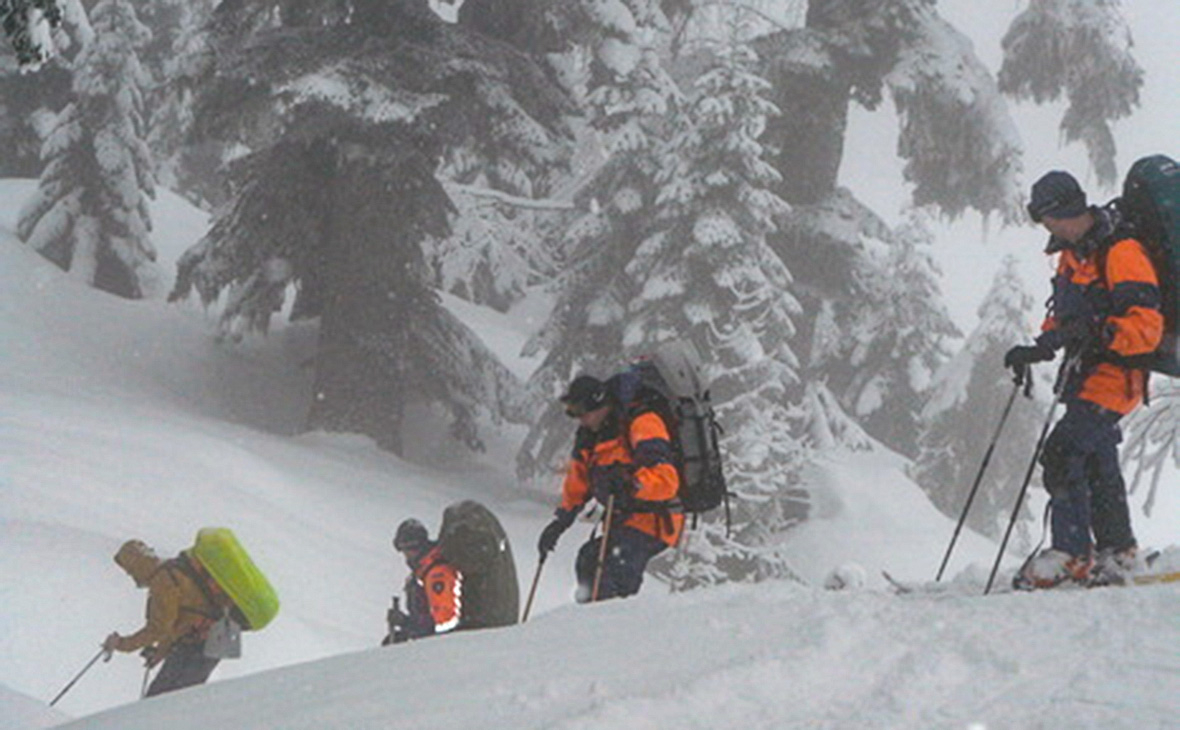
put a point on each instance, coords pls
(1104, 310)
(179, 617)
(622, 457)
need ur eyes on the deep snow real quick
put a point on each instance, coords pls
(128, 419)
(125, 419)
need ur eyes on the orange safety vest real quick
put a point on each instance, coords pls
(443, 585)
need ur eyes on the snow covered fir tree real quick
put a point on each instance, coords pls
(656, 169)
(338, 194)
(28, 25)
(963, 411)
(90, 214)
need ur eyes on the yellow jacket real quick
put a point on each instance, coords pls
(177, 609)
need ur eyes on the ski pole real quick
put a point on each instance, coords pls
(610, 511)
(147, 673)
(78, 676)
(978, 480)
(1067, 366)
(533, 591)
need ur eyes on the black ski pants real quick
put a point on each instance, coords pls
(626, 559)
(1086, 488)
(184, 666)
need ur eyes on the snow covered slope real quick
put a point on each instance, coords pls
(774, 657)
(127, 419)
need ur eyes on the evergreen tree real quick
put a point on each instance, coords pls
(175, 60)
(963, 409)
(90, 213)
(29, 102)
(708, 274)
(346, 115)
(898, 339)
(630, 97)
(961, 152)
(1153, 434)
(28, 23)
(1079, 49)
(498, 247)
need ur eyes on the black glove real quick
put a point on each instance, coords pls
(1076, 333)
(562, 519)
(396, 618)
(1021, 356)
(616, 480)
(151, 656)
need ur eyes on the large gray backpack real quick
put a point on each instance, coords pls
(670, 383)
(472, 540)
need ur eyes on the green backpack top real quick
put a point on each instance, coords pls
(218, 554)
(1150, 205)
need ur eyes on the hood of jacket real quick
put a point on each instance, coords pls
(138, 560)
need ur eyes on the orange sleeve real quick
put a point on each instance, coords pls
(575, 490)
(655, 474)
(444, 592)
(1137, 323)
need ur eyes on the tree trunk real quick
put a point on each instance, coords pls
(356, 384)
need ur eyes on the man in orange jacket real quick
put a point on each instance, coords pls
(434, 588)
(622, 450)
(1104, 310)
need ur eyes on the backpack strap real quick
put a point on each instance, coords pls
(204, 582)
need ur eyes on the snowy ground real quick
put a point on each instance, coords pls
(127, 419)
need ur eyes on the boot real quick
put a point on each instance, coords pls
(1051, 568)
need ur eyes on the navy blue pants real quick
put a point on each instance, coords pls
(627, 555)
(185, 665)
(1087, 493)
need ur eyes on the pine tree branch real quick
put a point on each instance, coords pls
(513, 200)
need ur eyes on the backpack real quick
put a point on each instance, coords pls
(669, 383)
(472, 540)
(220, 566)
(1150, 207)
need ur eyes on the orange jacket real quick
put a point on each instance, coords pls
(1128, 300)
(443, 585)
(646, 452)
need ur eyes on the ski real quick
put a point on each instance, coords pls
(903, 588)
(1145, 580)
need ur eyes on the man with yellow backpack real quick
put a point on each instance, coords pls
(198, 603)
(179, 617)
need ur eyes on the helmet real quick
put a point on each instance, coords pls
(411, 535)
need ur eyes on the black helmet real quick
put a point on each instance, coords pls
(411, 535)
(586, 393)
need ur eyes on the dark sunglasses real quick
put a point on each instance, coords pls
(575, 410)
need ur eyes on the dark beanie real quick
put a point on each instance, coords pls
(1056, 195)
(585, 393)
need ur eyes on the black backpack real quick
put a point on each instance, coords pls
(1150, 207)
(472, 540)
(669, 383)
